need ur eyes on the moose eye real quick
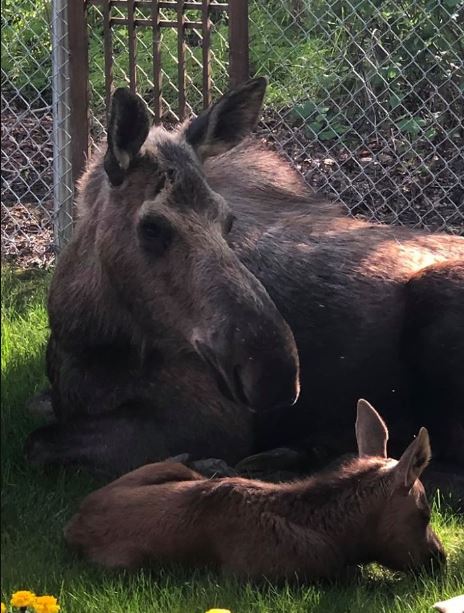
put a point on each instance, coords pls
(229, 223)
(155, 234)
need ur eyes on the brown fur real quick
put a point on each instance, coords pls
(297, 290)
(371, 509)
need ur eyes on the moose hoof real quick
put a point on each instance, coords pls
(181, 458)
(279, 459)
(213, 467)
(38, 450)
(40, 405)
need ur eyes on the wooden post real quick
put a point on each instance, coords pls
(132, 46)
(108, 53)
(206, 53)
(238, 42)
(157, 74)
(78, 84)
(181, 58)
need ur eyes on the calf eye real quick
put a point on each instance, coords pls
(155, 234)
(229, 223)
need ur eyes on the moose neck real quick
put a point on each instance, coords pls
(345, 506)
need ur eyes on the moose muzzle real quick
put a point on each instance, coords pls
(255, 359)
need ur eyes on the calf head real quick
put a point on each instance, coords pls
(401, 537)
(164, 243)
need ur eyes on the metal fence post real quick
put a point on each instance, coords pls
(63, 191)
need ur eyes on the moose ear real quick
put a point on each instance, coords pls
(371, 431)
(227, 121)
(414, 460)
(128, 127)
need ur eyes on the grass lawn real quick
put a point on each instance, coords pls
(35, 507)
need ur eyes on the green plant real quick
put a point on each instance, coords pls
(26, 47)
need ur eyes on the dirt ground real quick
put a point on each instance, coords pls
(27, 187)
(380, 179)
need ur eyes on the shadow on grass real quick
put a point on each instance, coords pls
(20, 288)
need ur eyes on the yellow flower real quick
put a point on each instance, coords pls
(3, 608)
(46, 604)
(22, 598)
(218, 611)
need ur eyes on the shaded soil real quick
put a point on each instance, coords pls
(27, 203)
(381, 179)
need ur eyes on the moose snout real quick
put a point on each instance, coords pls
(267, 380)
(256, 361)
(437, 554)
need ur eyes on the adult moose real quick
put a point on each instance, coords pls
(199, 263)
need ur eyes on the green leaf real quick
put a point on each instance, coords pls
(316, 126)
(328, 134)
(395, 100)
(410, 125)
(305, 110)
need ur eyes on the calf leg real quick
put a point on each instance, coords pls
(434, 350)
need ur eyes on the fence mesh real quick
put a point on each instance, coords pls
(27, 128)
(366, 98)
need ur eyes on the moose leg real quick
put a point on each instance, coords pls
(108, 444)
(135, 434)
(434, 350)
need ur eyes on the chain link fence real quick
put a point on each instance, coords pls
(27, 132)
(365, 98)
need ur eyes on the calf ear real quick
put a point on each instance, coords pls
(228, 121)
(414, 460)
(128, 127)
(371, 431)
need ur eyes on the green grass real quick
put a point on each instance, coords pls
(35, 507)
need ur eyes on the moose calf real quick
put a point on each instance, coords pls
(373, 508)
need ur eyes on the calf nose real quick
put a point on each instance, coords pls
(437, 554)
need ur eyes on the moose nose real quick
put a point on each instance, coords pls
(437, 554)
(263, 362)
(256, 361)
(267, 382)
